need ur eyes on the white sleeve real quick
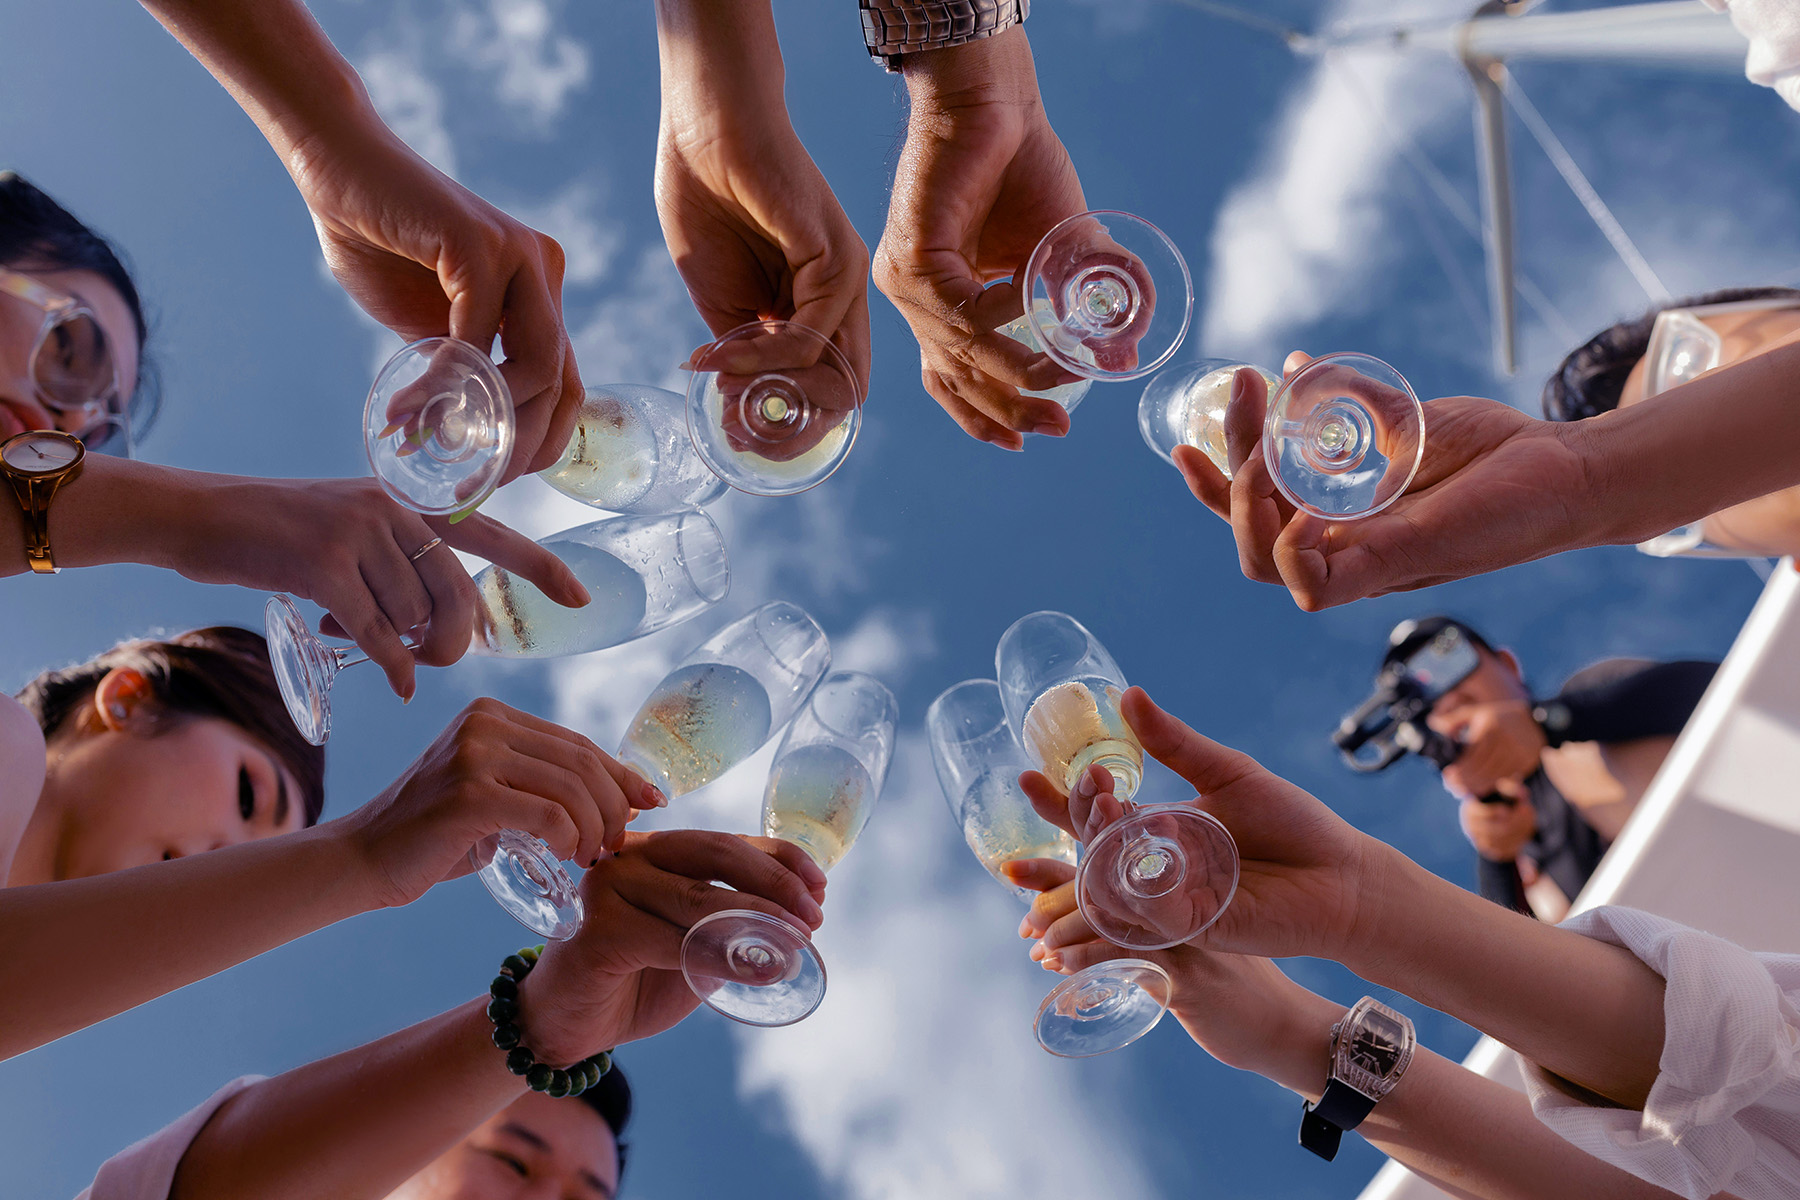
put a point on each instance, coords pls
(1773, 30)
(146, 1169)
(1724, 1112)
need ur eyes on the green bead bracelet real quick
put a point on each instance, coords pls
(503, 1011)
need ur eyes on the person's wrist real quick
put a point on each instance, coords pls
(1387, 891)
(996, 69)
(718, 59)
(557, 1031)
(358, 844)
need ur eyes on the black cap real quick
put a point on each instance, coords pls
(1408, 636)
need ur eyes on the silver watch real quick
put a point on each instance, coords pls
(895, 27)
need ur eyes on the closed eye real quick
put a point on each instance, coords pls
(517, 1165)
(246, 795)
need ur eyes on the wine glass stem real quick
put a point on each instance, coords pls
(350, 658)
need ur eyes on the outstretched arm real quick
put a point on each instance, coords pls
(419, 252)
(359, 1124)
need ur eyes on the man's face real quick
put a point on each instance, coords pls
(537, 1148)
(1768, 525)
(1497, 678)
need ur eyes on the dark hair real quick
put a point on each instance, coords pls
(222, 671)
(38, 233)
(1592, 377)
(611, 1098)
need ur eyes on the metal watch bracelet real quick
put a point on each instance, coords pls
(892, 28)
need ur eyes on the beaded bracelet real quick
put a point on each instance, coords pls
(503, 1011)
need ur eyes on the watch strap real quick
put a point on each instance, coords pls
(892, 28)
(1340, 1109)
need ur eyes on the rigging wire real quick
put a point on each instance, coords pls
(1584, 191)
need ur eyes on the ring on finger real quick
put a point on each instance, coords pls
(422, 551)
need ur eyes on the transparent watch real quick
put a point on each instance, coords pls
(1370, 1049)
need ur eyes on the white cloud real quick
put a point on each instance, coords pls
(534, 68)
(644, 330)
(574, 217)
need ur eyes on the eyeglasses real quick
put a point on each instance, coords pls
(1683, 346)
(74, 367)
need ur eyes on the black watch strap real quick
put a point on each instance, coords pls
(1340, 1109)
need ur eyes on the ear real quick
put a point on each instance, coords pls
(1511, 660)
(124, 700)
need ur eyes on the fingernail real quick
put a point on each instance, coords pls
(1237, 385)
(1037, 952)
(1048, 429)
(1053, 962)
(1025, 927)
(809, 908)
(393, 427)
(1085, 786)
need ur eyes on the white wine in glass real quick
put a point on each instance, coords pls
(728, 697)
(1185, 406)
(631, 453)
(1067, 395)
(821, 790)
(1061, 692)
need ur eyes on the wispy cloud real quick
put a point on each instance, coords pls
(534, 68)
(409, 101)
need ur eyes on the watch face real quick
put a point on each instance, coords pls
(41, 453)
(1376, 1044)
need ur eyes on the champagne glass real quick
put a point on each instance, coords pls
(1345, 436)
(773, 407)
(630, 453)
(822, 788)
(644, 574)
(439, 426)
(724, 700)
(1153, 879)
(1185, 406)
(1108, 296)
(978, 764)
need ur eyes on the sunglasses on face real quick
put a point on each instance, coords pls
(75, 367)
(1683, 346)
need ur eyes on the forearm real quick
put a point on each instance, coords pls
(720, 61)
(277, 64)
(1583, 1009)
(992, 68)
(1700, 448)
(1468, 1135)
(357, 1124)
(77, 952)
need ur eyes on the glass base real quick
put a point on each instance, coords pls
(529, 883)
(438, 426)
(1104, 1008)
(1158, 877)
(753, 968)
(304, 668)
(1345, 436)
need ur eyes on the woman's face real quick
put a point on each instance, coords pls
(124, 796)
(21, 408)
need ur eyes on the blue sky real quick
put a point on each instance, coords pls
(1279, 182)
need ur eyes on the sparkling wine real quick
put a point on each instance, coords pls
(611, 458)
(701, 721)
(819, 797)
(1066, 394)
(1072, 726)
(516, 620)
(1000, 825)
(1204, 424)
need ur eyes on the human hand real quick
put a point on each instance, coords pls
(344, 544)
(1304, 873)
(1501, 743)
(1499, 831)
(751, 223)
(493, 768)
(1240, 1009)
(425, 256)
(619, 978)
(1495, 488)
(981, 179)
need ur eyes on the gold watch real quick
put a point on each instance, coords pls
(37, 463)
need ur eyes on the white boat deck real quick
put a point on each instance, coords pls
(1716, 840)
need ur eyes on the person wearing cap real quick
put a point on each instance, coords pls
(1566, 771)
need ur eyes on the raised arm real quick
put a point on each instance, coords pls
(78, 951)
(339, 542)
(359, 1124)
(419, 252)
(1497, 487)
(1468, 1135)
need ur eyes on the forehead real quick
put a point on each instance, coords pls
(109, 308)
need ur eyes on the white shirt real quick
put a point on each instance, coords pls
(146, 1169)
(1724, 1112)
(1773, 29)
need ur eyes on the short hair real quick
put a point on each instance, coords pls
(611, 1098)
(221, 671)
(37, 233)
(1592, 378)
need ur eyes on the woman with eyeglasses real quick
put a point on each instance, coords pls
(75, 394)
(158, 823)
